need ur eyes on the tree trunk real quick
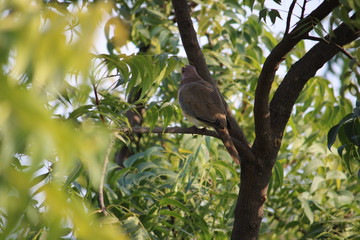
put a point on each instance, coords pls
(250, 204)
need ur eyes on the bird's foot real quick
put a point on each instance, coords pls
(199, 129)
(203, 129)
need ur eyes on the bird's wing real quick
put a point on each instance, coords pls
(200, 100)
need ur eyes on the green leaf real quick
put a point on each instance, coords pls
(132, 225)
(132, 159)
(39, 179)
(146, 166)
(114, 175)
(346, 157)
(156, 13)
(175, 203)
(341, 198)
(273, 14)
(319, 29)
(312, 166)
(135, 78)
(334, 174)
(262, 14)
(333, 132)
(80, 111)
(278, 174)
(225, 60)
(306, 208)
(167, 111)
(152, 115)
(316, 183)
(143, 176)
(171, 214)
(76, 172)
(249, 3)
(233, 3)
(156, 150)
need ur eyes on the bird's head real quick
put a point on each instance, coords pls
(188, 71)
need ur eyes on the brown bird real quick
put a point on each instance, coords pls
(202, 105)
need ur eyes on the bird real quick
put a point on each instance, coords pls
(202, 105)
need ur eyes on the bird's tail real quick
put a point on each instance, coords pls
(226, 139)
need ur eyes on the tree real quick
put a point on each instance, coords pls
(78, 158)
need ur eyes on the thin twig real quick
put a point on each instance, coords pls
(303, 10)
(243, 149)
(97, 102)
(288, 21)
(209, 40)
(102, 178)
(316, 39)
(106, 159)
(346, 53)
(112, 75)
(189, 130)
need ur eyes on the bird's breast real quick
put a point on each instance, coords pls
(195, 121)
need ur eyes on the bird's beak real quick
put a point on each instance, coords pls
(183, 69)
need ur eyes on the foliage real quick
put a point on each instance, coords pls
(348, 130)
(317, 198)
(62, 107)
(39, 199)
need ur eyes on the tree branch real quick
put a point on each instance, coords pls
(190, 130)
(288, 21)
(102, 179)
(303, 9)
(264, 139)
(245, 151)
(285, 96)
(97, 102)
(189, 39)
(340, 47)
